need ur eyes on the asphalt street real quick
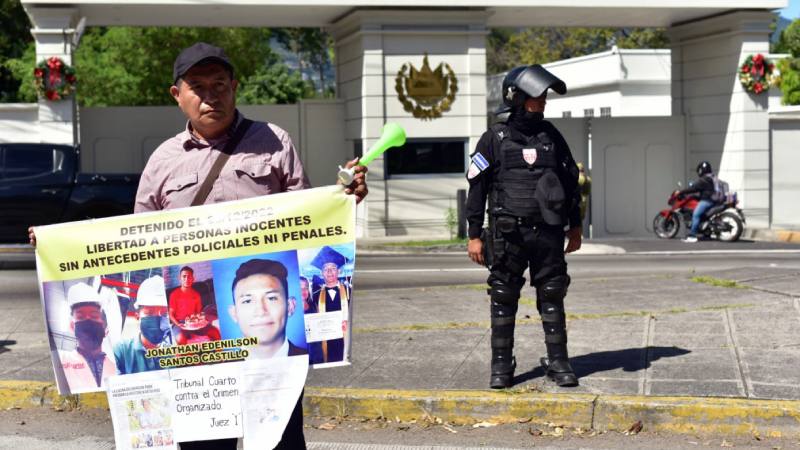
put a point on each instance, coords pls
(382, 270)
(376, 270)
(638, 296)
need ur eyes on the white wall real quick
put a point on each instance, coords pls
(785, 160)
(371, 48)
(121, 139)
(19, 122)
(636, 163)
(632, 82)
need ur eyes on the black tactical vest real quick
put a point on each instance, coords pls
(520, 166)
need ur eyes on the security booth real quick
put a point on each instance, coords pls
(423, 65)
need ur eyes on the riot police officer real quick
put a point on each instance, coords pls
(525, 169)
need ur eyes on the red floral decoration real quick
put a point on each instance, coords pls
(757, 74)
(53, 79)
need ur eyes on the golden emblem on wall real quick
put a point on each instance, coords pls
(426, 93)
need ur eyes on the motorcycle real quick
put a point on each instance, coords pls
(724, 222)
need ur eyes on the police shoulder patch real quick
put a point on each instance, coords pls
(477, 164)
(479, 160)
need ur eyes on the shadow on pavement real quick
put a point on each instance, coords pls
(3, 345)
(629, 360)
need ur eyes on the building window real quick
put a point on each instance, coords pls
(588, 112)
(427, 156)
(605, 111)
(566, 114)
(358, 148)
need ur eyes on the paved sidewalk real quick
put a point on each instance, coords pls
(627, 336)
(664, 348)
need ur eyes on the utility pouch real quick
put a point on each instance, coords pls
(498, 245)
(506, 224)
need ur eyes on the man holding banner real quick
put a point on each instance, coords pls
(258, 159)
(221, 156)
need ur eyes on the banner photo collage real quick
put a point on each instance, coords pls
(179, 313)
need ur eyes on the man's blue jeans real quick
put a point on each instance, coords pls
(701, 208)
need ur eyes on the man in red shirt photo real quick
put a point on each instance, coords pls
(184, 301)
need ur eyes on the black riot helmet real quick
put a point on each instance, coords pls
(529, 81)
(704, 168)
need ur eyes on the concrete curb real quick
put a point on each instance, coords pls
(586, 249)
(729, 416)
(773, 235)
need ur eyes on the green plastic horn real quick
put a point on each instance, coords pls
(393, 136)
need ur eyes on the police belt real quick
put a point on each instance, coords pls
(529, 221)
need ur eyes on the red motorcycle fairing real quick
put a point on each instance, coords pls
(680, 212)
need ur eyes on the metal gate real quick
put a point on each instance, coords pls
(636, 163)
(784, 183)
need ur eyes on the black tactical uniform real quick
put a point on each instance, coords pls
(525, 168)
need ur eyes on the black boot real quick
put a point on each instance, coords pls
(556, 366)
(550, 302)
(502, 371)
(503, 311)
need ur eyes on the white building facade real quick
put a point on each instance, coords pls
(617, 82)
(381, 53)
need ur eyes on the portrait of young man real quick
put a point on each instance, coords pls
(154, 329)
(331, 295)
(261, 307)
(184, 301)
(86, 367)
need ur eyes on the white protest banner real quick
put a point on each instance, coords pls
(194, 292)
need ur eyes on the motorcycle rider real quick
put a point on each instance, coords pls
(524, 167)
(704, 187)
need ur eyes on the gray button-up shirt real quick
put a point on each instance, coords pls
(265, 162)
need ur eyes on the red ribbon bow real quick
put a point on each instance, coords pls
(54, 64)
(758, 65)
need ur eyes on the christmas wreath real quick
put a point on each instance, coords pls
(54, 79)
(756, 73)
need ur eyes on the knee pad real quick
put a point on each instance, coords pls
(554, 289)
(504, 294)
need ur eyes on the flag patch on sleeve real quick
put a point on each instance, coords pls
(477, 165)
(480, 161)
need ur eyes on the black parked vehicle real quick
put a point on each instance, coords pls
(40, 184)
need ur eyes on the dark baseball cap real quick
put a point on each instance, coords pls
(196, 54)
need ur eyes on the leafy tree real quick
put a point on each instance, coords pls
(21, 72)
(789, 42)
(508, 48)
(274, 83)
(790, 81)
(642, 38)
(14, 40)
(132, 66)
(314, 49)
